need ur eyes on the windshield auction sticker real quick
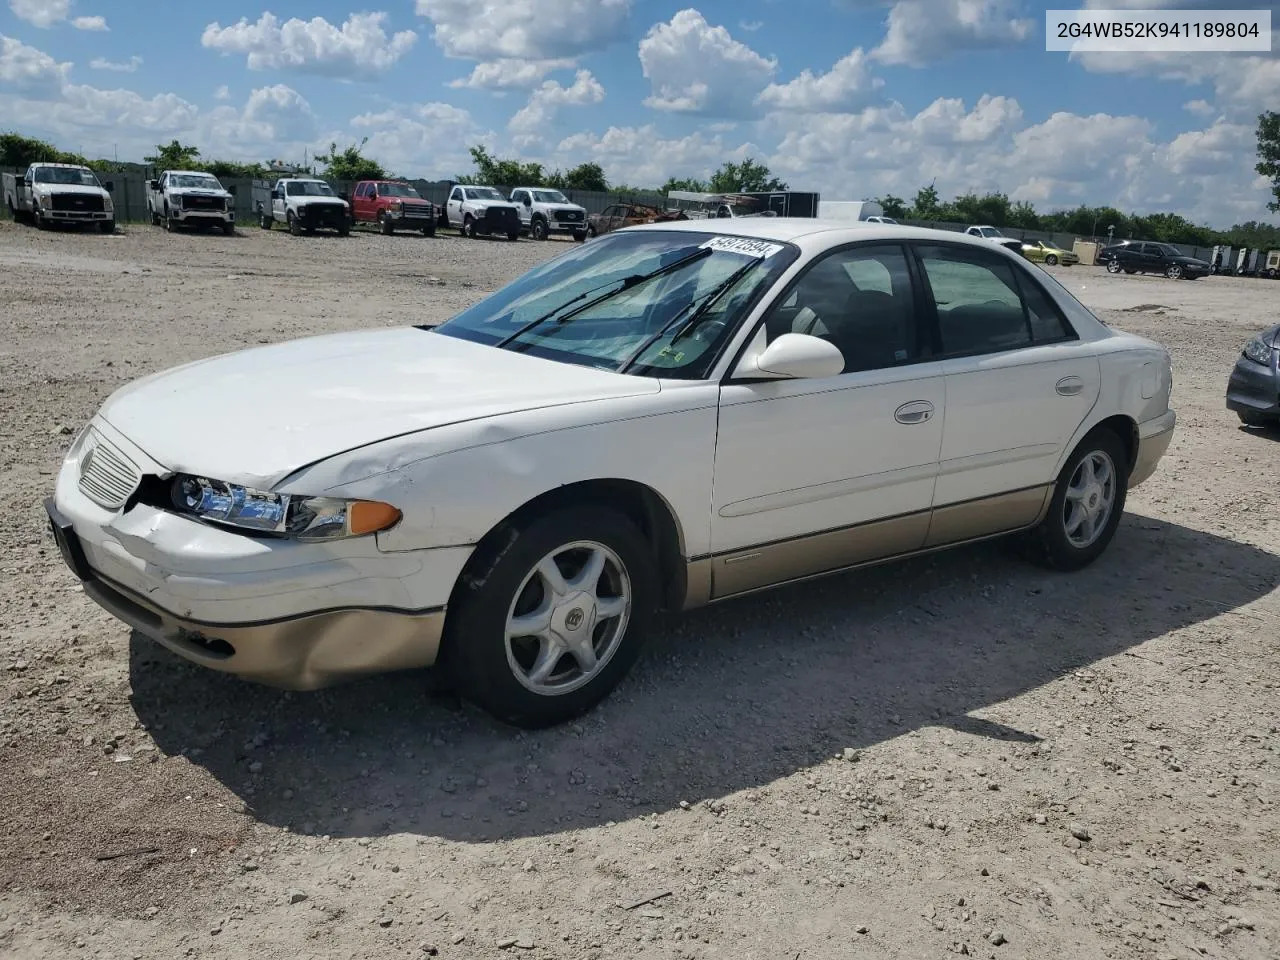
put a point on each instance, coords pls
(1158, 31)
(743, 245)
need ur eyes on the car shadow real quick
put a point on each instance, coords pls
(726, 698)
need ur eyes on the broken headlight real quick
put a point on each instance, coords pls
(280, 514)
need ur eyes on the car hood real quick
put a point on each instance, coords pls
(486, 204)
(1191, 262)
(306, 198)
(564, 207)
(258, 415)
(68, 188)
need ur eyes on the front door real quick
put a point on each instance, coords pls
(454, 207)
(362, 202)
(814, 475)
(1018, 385)
(278, 202)
(524, 206)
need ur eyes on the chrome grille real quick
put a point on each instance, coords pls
(107, 476)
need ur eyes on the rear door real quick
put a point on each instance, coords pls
(1018, 385)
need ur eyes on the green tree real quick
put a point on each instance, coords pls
(745, 177)
(493, 171)
(173, 156)
(925, 205)
(1024, 215)
(19, 151)
(1269, 154)
(587, 176)
(684, 183)
(350, 164)
(233, 170)
(893, 206)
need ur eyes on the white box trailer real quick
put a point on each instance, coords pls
(849, 210)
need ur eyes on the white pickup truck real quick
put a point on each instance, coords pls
(478, 211)
(50, 193)
(302, 204)
(179, 197)
(544, 211)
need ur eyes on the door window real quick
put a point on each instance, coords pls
(858, 299)
(977, 299)
(457, 194)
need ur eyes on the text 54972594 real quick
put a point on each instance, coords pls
(1158, 31)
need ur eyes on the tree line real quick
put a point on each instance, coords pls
(748, 175)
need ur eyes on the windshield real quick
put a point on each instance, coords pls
(483, 193)
(67, 175)
(308, 188)
(549, 196)
(200, 181)
(607, 334)
(990, 232)
(396, 190)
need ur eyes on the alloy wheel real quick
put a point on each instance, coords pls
(1091, 496)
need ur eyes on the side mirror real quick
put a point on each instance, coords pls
(154, 184)
(109, 186)
(796, 356)
(528, 201)
(373, 194)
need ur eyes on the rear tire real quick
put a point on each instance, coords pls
(264, 220)
(1088, 501)
(500, 674)
(1251, 419)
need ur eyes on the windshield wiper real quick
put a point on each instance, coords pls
(626, 283)
(707, 299)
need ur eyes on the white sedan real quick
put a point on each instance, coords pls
(671, 415)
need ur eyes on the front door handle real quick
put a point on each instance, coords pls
(917, 411)
(1069, 386)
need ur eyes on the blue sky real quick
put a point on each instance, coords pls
(854, 98)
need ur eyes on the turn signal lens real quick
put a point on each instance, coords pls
(369, 516)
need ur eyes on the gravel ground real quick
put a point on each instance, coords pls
(960, 754)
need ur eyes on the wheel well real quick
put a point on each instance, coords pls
(1126, 430)
(640, 504)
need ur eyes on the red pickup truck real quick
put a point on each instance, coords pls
(393, 205)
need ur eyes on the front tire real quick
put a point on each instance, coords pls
(1174, 271)
(513, 235)
(469, 227)
(553, 616)
(294, 226)
(1051, 260)
(1251, 419)
(388, 228)
(107, 226)
(1088, 501)
(539, 229)
(38, 220)
(229, 228)
(580, 236)
(1113, 266)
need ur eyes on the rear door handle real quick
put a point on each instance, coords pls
(917, 411)
(1069, 386)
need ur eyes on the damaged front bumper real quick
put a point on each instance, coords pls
(279, 612)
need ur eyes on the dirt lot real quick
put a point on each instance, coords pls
(956, 755)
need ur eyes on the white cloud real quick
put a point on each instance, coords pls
(696, 68)
(400, 138)
(847, 86)
(947, 121)
(1201, 108)
(96, 24)
(125, 66)
(1212, 151)
(509, 74)
(222, 93)
(41, 13)
(524, 29)
(546, 101)
(642, 156)
(923, 31)
(750, 26)
(360, 47)
(29, 72)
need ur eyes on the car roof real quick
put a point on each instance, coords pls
(65, 166)
(191, 173)
(830, 232)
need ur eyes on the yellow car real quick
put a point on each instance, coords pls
(1041, 251)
